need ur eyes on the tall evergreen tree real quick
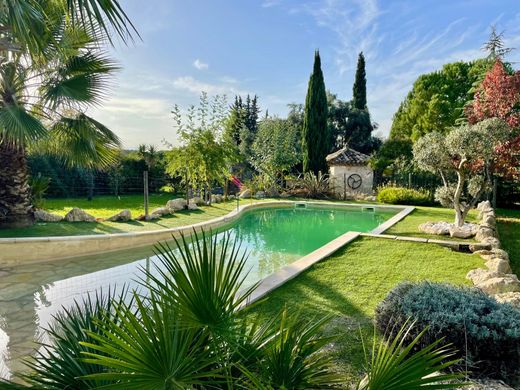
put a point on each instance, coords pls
(360, 85)
(315, 137)
(235, 122)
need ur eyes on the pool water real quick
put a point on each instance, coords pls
(274, 237)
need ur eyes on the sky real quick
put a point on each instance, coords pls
(266, 47)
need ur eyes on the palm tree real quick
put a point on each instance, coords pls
(51, 70)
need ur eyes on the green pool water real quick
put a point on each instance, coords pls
(273, 237)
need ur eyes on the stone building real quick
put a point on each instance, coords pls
(349, 172)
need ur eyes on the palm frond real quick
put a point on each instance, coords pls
(18, 126)
(147, 347)
(60, 364)
(397, 365)
(82, 80)
(81, 141)
(204, 279)
(26, 23)
(106, 14)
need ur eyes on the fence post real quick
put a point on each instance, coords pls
(344, 186)
(145, 184)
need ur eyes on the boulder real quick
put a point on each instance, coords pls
(513, 298)
(176, 204)
(231, 197)
(484, 232)
(501, 284)
(122, 216)
(493, 242)
(246, 193)
(285, 195)
(197, 200)
(480, 275)
(486, 384)
(465, 231)
(439, 228)
(44, 216)
(478, 246)
(78, 215)
(162, 211)
(499, 265)
(151, 217)
(192, 205)
(484, 207)
(260, 194)
(217, 198)
(489, 220)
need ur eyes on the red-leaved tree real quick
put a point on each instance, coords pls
(498, 96)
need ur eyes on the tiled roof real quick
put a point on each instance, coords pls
(347, 156)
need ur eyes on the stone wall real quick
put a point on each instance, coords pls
(497, 279)
(338, 173)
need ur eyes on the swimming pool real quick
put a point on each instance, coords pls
(273, 237)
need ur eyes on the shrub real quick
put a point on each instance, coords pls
(485, 332)
(401, 195)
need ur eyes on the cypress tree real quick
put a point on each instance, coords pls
(360, 85)
(235, 122)
(315, 133)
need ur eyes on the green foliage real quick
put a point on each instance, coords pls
(39, 186)
(463, 159)
(275, 149)
(393, 365)
(437, 100)
(401, 195)
(314, 186)
(391, 150)
(358, 132)
(60, 364)
(315, 134)
(359, 90)
(204, 157)
(486, 333)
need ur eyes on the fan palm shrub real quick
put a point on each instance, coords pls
(51, 71)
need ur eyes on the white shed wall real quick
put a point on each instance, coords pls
(338, 173)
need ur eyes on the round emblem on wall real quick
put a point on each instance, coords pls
(354, 181)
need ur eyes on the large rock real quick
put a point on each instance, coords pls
(246, 193)
(272, 192)
(217, 198)
(493, 242)
(484, 232)
(502, 284)
(176, 204)
(465, 231)
(192, 205)
(499, 265)
(197, 200)
(44, 216)
(484, 207)
(489, 220)
(480, 275)
(260, 194)
(122, 216)
(513, 298)
(439, 228)
(162, 211)
(78, 215)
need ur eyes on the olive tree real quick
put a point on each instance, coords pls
(464, 160)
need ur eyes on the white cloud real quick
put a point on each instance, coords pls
(190, 84)
(200, 65)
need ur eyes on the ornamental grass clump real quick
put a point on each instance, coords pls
(485, 332)
(401, 195)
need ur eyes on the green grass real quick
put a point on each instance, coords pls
(509, 233)
(102, 208)
(410, 225)
(351, 283)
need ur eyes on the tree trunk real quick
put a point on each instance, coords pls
(459, 208)
(16, 209)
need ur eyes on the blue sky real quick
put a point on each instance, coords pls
(265, 47)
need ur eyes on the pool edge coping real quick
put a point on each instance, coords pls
(11, 252)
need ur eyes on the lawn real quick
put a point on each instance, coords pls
(509, 232)
(351, 283)
(103, 207)
(409, 225)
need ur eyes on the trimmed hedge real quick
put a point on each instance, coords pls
(401, 195)
(486, 333)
